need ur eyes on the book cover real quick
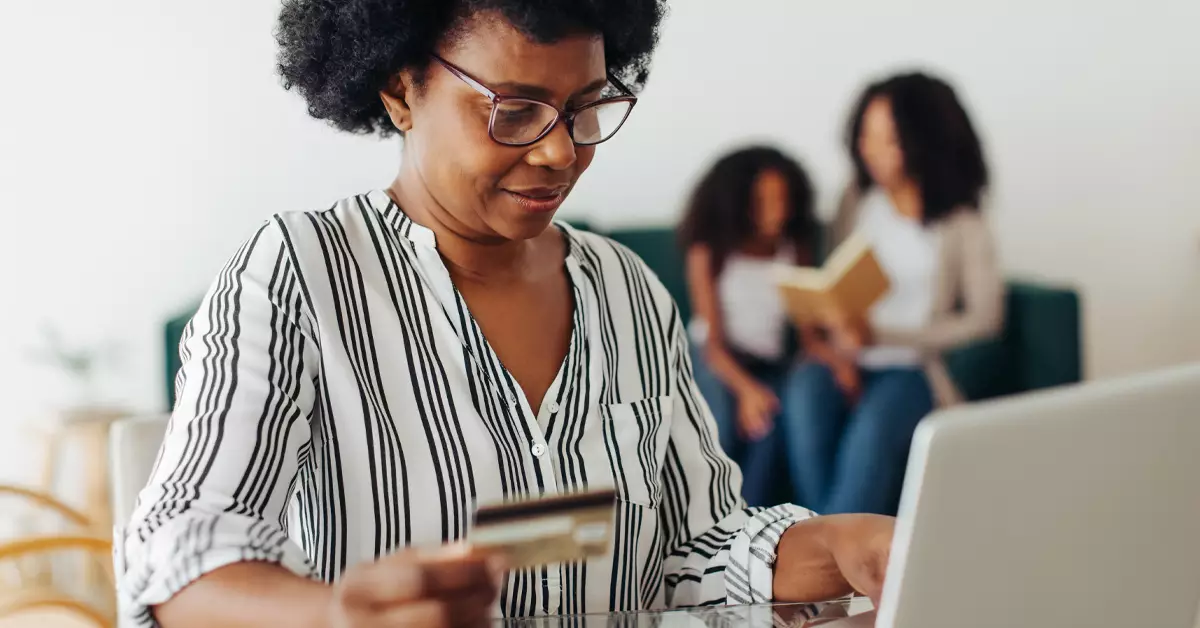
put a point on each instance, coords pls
(851, 281)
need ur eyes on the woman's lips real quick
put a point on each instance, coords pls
(539, 200)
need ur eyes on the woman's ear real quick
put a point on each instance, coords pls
(395, 99)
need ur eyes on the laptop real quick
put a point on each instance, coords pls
(1074, 507)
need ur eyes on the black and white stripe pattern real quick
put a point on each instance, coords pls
(338, 402)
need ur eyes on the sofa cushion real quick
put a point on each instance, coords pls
(659, 248)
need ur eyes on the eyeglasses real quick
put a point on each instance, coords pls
(524, 121)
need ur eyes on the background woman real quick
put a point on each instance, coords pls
(918, 189)
(750, 212)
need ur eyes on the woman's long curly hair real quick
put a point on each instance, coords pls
(942, 152)
(720, 214)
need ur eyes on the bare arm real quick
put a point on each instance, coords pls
(703, 292)
(248, 594)
(431, 589)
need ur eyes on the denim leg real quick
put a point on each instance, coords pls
(720, 402)
(760, 469)
(813, 417)
(762, 460)
(874, 451)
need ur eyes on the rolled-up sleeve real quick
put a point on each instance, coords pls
(222, 483)
(718, 550)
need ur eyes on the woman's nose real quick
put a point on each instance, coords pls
(555, 151)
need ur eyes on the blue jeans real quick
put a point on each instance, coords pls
(759, 460)
(847, 458)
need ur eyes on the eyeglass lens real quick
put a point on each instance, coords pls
(519, 121)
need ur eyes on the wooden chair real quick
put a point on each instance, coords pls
(33, 599)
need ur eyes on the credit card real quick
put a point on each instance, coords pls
(546, 530)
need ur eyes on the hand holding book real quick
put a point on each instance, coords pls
(833, 303)
(847, 334)
(837, 297)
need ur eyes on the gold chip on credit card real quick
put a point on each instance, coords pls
(541, 531)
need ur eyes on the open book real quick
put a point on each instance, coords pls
(851, 281)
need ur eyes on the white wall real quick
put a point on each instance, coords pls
(141, 140)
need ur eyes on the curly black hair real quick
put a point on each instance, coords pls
(339, 54)
(719, 214)
(942, 152)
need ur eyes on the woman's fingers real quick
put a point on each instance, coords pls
(432, 613)
(406, 577)
(772, 402)
(442, 587)
(473, 573)
(763, 427)
(446, 612)
(873, 581)
(831, 613)
(390, 580)
(472, 610)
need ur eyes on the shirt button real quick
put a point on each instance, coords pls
(552, 407)
(538, 449)
(512, 398)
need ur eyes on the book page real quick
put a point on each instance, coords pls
(851, 282)
(805, 277)
(861, 284)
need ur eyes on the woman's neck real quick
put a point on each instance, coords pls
(758, 246)
(906, 198)
(468, 253)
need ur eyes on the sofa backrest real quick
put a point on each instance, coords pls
(1040, 346)
(659, 248)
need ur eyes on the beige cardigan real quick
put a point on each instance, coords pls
(968, 300)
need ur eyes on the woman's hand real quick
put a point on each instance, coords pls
(827, 557)
(757, 406)
(848, 378)
(861, 546)
(847, 336)
(411, 589)
(820, 347)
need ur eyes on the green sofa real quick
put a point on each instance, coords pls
(1040, 346)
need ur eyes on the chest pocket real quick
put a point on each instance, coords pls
(636, 436)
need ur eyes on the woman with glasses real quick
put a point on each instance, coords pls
(359, 379)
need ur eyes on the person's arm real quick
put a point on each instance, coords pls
(702, 290)
(718, 551)
(219, 490)
(429, 589)
(249, 594)
(982, 313)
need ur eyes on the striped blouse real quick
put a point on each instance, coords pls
(337, 402)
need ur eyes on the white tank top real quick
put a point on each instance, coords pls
(908, 252)
(751, 309)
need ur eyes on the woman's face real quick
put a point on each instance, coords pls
(879, 144)
(770, 202)
(480, 185)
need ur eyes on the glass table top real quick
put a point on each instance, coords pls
(754, 616)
